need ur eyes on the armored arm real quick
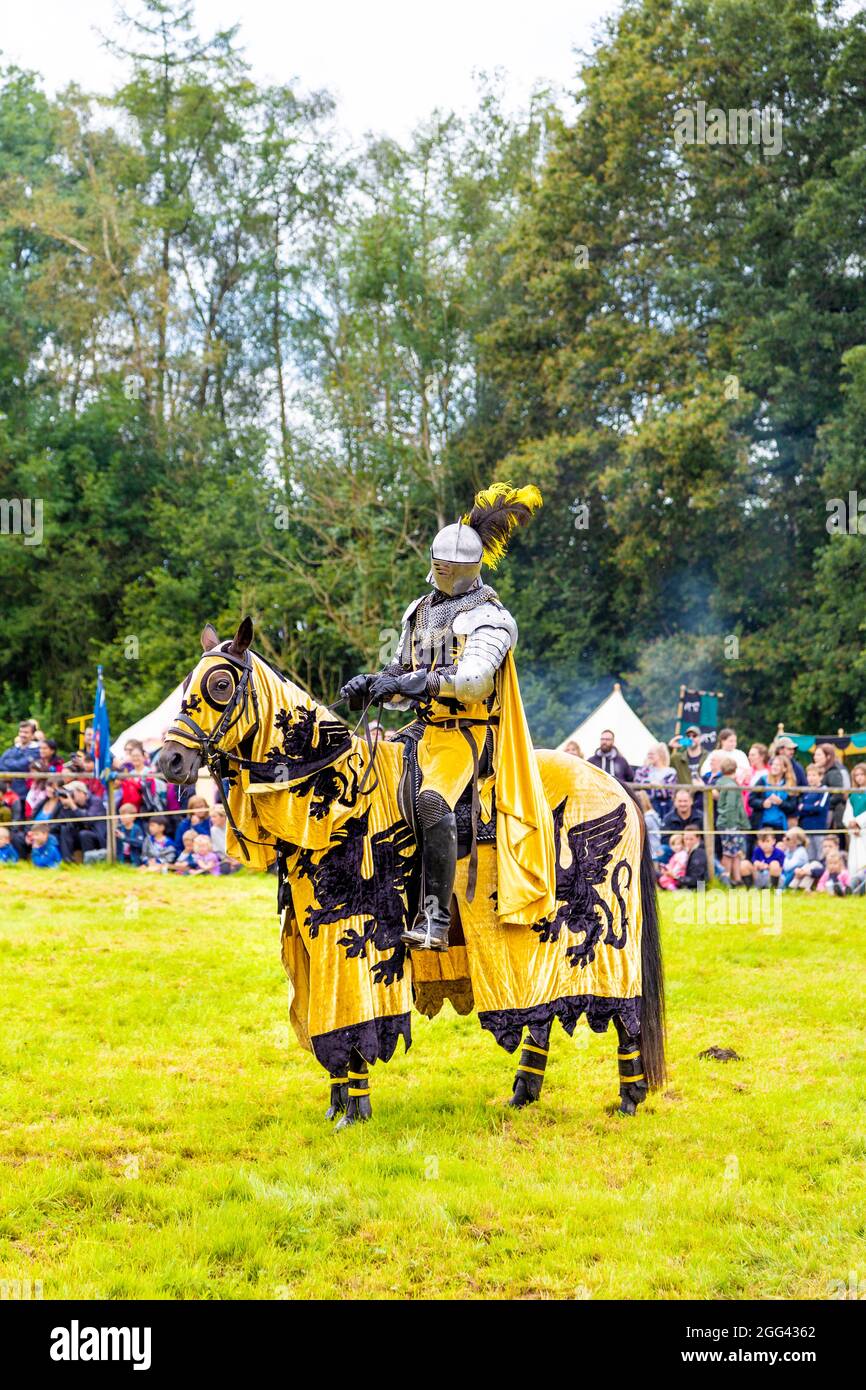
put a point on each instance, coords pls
(490, 633)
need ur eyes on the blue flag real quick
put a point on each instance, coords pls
(101, 732)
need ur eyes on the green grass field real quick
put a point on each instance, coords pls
(164, 1136)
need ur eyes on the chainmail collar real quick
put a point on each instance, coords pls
(439, 610)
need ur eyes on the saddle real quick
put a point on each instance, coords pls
(410, 786)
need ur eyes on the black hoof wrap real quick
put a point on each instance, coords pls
(530, 1074)
(339, 1096)
(358, 1107)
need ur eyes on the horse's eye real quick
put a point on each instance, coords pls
(219, 686)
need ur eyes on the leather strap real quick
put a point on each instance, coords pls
(472, 873)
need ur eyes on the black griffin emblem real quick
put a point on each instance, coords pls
(341, 891)
(305, 760)
(582, 909)
(191, 705)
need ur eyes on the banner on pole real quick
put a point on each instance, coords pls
(701, 708)
(101, 730)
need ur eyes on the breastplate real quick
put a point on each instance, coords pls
(433, 640)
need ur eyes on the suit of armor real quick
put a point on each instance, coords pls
(453, 643)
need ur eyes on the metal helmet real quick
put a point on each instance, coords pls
(455, 559)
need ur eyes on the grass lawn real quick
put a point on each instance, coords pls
(162, 1135)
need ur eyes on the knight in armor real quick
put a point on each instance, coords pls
(454, 664)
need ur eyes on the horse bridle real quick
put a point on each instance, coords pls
(209, 743)
(212, 754)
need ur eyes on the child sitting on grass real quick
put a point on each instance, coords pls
(807, 878)
(835, 878)
(794, 844)
(8, 852)
(207, 861)
(675, 868)
(129, 836)
(158, 851)
(45, 851)
(765, 868)
(185, 861)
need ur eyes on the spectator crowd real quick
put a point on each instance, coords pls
(53, 811)
(776, 823)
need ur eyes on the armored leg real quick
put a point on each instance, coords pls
(529, 1077)
(358, 1107)
(339, 1095)
(632, 1080)
(429, 931)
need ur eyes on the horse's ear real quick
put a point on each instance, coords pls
(242, 638)
(209, 638)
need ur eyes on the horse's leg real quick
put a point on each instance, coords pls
(339, 1095)
(358, 1107)
(632, 1079)
(529, 1077)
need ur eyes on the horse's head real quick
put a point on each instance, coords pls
(217, 710)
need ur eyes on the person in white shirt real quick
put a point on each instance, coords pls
(727, 743)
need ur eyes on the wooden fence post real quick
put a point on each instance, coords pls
(709, 834)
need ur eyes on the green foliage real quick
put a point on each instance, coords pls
(246, 368)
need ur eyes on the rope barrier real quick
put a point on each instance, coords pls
(35, 824)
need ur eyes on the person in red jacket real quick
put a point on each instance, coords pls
(140, 790)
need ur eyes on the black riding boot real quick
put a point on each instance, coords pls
(429, 931)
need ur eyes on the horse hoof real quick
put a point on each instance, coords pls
(630, 1097)
(348, 1120)
(521, 1095)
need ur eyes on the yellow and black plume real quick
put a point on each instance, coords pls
(498, 511)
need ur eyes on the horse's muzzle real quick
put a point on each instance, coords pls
(179, 764)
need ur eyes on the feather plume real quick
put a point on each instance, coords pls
(498, 511)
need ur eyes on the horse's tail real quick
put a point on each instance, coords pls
(652, 1016)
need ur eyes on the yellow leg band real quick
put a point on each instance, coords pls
(353, 1091)
(357, 1076)
(641, 1077)
(628, 1056)
(530, 1047)
(534, 1070)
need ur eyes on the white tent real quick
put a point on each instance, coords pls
(153, 725)
(631, 735)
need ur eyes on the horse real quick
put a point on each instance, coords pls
(333, 811)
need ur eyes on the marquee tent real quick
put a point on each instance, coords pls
(152, 726)
(633, 738)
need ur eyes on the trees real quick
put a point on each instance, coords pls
(674, 335)
(247, 367)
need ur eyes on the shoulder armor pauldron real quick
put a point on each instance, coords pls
(487, 614)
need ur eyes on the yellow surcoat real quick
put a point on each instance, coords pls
(526, 867)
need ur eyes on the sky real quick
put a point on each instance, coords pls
(388, 62)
